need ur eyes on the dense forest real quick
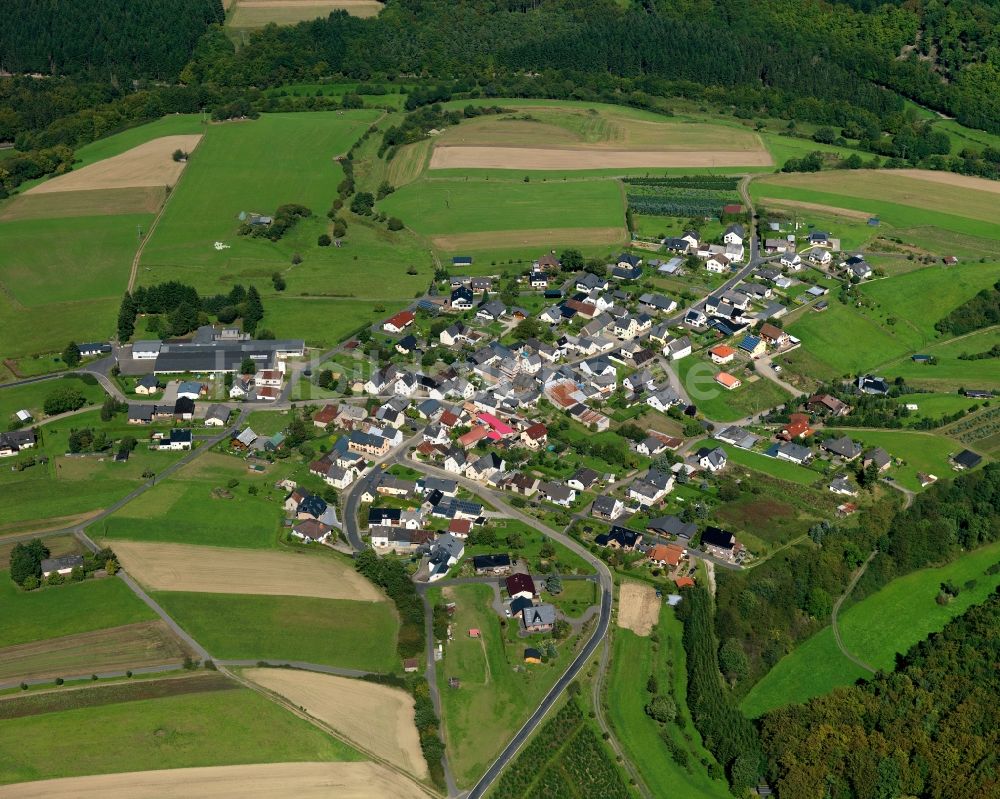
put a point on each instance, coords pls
(761, 614)
(110, 40)
(929, 729)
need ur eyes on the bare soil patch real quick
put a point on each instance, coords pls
(862, 216)
(638, 607)
(540, 158)
(376, 717)
(218, 570)
(279, 780)
(951, 179)
(149, 164)
(113, 649)
(525, 238)
(97, 202)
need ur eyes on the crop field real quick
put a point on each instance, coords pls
(216, 570)
(378, 718)
(901, 201)
(494, 699)
(577, 136)
(68, 609)
(889, 621)
(638, 607)
(130, 646)
(246, 14)
(634, 659)
(307, 780)
(195, 506)
(688, 196)
(333, 632)
(920, 452)
(208, 728)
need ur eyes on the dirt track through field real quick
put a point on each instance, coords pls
(149, 164)
(376, 717)
(862, 216)
(529, 238)
(127, 647)
(638, 607)
(218, 570)
(278, 780)
(533, 158)
(951, 179)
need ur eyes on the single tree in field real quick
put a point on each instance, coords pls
(71, 355)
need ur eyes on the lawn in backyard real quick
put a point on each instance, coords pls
(223, 727)
(58, 610)
(633, 660)
(889, 621)
(758, 461)
(31, 396)
(494, 700)
(574, 599)
(919, 451)
(197, 506)
(333, 632)
(757, 394)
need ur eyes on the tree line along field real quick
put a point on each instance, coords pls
(220, 724)
(635, 658)
(875, 629)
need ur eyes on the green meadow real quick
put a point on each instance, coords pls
(434, 207)
(950, 372)
(117, 143)
(196, 506)
(55, 611)
(875, 629)
(40, 309)
(756, 394)
(225, 727)
(333, 632)
(634, 659)
(783, 470)
(31, 396)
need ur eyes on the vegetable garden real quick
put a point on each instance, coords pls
(696, 195)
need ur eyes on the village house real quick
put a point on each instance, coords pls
(712, 460)
(720, 543)
(619, 538)
(538, 618)
(722, 354)
(607, 507)
(728, 381)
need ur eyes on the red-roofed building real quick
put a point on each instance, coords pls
(502, 428)
(473, 437)
(399, 322)
(535, 436)
(722, 353)
(582, 308)
(460, 527)
(448, 420)
(520, 585)
(325, 415)
(798, 427)
(684, 582)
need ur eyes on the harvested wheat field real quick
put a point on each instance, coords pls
(847, 213)
(258, 13)
(951, 179)
(529, 238)
(541, 158)
(149, 164)
(93, 202)
(638, 607)
(340, 780)
(377, 718)
(127, 647)
(218, 570)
